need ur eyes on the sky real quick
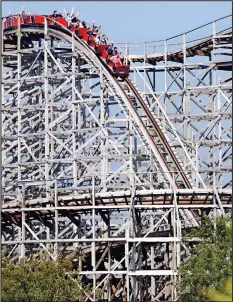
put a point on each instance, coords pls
(134, 21)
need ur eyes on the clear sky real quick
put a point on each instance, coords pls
(134, 21)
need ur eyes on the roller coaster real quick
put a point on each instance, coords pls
(98, 159)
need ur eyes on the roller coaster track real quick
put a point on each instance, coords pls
(202, 48)
(162, 232)
(151, 116)
(148, 112)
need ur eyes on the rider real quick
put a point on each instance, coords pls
(83, 24)
(104, 39)
(109, 50)
(9, 19)
(122, 58)
(116, 60)
(55, 14)
(115, 52)
(68, 17)
(23, 15)
(90, 35)
(74, 19)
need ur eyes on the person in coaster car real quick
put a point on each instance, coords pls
(122, 58)
(116, 60)
(84, 24)
(115, 52)
(9, 20)
(23, 14)
(68, 17)
(109, 50)
(90, 35)
(74, 20)
(104, 39)
(54, 15)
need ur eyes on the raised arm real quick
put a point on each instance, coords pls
(22, 9)
(77, 13)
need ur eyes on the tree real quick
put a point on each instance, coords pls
(224, 294)
(209, 262)
(39, 279)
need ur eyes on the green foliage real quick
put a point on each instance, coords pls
(224, 295)
(209, 263)
(40, 279)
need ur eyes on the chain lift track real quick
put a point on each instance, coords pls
(92, 162)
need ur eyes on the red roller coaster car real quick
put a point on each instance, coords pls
(37, 20)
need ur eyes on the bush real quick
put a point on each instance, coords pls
(39, 279)
(209, 263)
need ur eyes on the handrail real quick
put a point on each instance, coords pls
(172, 44)
(179, 35)
(187, 32)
